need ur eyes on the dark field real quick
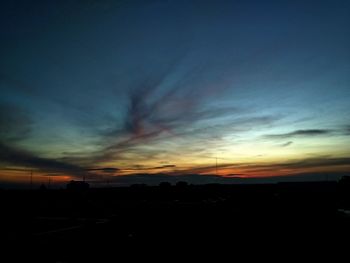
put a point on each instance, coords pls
(104, 225)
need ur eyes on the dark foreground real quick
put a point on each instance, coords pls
(106, 225)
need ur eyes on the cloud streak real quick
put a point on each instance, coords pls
(252, 168)
(286, 144)
(16, 125)
(108, 170)
(16, 157)
(162, 106)
(300, 133)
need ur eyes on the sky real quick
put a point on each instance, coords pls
(146, 91)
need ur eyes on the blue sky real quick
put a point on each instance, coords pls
(135, 85)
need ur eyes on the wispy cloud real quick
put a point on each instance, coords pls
(294, 166)
(347, 130)
(286, 144)
(16, 125)
(138, 168)
(165, 166)
(17, 157)
(298, 165)
(316, 162)
(110, 170)
(300, 133)
(163, 106)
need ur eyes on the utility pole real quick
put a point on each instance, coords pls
(216, 165)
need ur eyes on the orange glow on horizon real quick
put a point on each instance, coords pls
(263, 170)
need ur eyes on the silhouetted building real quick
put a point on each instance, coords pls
(77, 185)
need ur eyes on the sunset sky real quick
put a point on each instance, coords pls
(118, 90)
